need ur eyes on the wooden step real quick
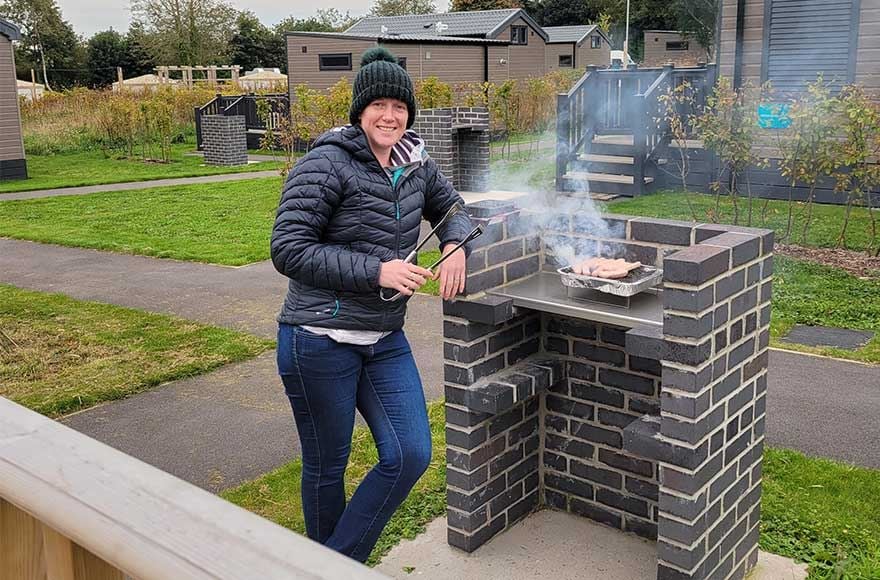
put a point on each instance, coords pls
(625, 140)
(604, 177)
(609, 159)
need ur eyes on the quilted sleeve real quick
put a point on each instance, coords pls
(311, 193)
(440, 197)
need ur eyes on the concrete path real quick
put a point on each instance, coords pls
(85, 190)
(234, 424)
(548, 544)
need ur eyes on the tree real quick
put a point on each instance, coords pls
(696, 18)
(569, 12)
(137, 59)
(324, 20)
(48, 41)
(185, 32)
(473, 5)
(252, 44)
(402, 7)
(104, 52)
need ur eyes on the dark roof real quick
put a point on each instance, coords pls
(568, 33)
(479, 23)
(9, 30)
(424, 38)
(576, 34)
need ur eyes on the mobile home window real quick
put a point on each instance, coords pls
(519, 35)
(334, 61)
(565, 61)
(595, 42)
(676, 45)
(804, 39)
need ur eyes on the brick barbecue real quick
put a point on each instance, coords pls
(647, 418)
(457, 138)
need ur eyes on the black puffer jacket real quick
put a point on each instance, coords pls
(339, 218)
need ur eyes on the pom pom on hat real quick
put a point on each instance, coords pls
(378, 53)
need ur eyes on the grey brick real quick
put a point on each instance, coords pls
(464, 353)
(686, 509)
(569, 407)
(626, 463)
(484, 281)
(568, 485)
(477, 499)
(696, 265)
(641, 406)
(741, 353)
(692, 432)
(522, 268)
(613, 335)
(505, 338)
(661, 231)
(596, 434)
(505, 461)
(646, 342)
(505, 421)
(688, 300)
(557, 345)
(491, 310)
(627, 381)
(467, 522)
(615, 419)
(523, 350)
(464, 439)
(570, 446)
(691, 381)
(686, 558)
(686, 406)
(471, 460)
(596, 513)
(490, 398)
(623, 502)
(582, 371)
(468, 376)
(645, 365)
(630, 252)
(688, 354)
(744, 247)
(640, 527)
(595, 353)
(476, 261)
(729, 285)
(505, 252)
(743, 303)
(646, 489)
(683, 326)
(597, 394)
(467, 481)
(470, 542)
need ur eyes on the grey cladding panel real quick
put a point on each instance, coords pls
(807, 38)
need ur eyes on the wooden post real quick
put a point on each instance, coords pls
(640, 147)
(58, 552)
(120, 78)
(563, 137)
(33, 86)
(21, 544)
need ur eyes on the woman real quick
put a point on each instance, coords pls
(350, 210)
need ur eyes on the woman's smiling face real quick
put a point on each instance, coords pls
(384, 122)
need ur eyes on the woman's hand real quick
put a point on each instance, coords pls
(402, 276)
(452, 273)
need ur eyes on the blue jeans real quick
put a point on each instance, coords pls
(325, 382)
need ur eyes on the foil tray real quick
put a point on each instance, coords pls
(636, 281)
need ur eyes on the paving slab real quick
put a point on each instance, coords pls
(547, 544)
(128, 186)
(828, 336)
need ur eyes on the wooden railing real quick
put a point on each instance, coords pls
(245, 105)
(72, 508)
(624, 102)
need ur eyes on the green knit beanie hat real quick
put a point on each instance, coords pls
(380, 77)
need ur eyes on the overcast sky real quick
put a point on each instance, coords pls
(90, 16)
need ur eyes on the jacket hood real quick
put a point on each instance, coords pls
(353, 140)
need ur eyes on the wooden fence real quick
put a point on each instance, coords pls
(72, 508)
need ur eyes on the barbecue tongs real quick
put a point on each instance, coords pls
(475, 233)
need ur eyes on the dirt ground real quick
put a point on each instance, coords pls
(856, 263)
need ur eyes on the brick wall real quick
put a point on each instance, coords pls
(224, 140)
(457, 138)
(656, 431)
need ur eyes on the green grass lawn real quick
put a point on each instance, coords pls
(820, 512)
(95, 168)
(824, 513)
(276, 495)
(61, 355)
(825, 225)
(221, 223)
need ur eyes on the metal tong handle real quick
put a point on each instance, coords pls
(475, 233)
